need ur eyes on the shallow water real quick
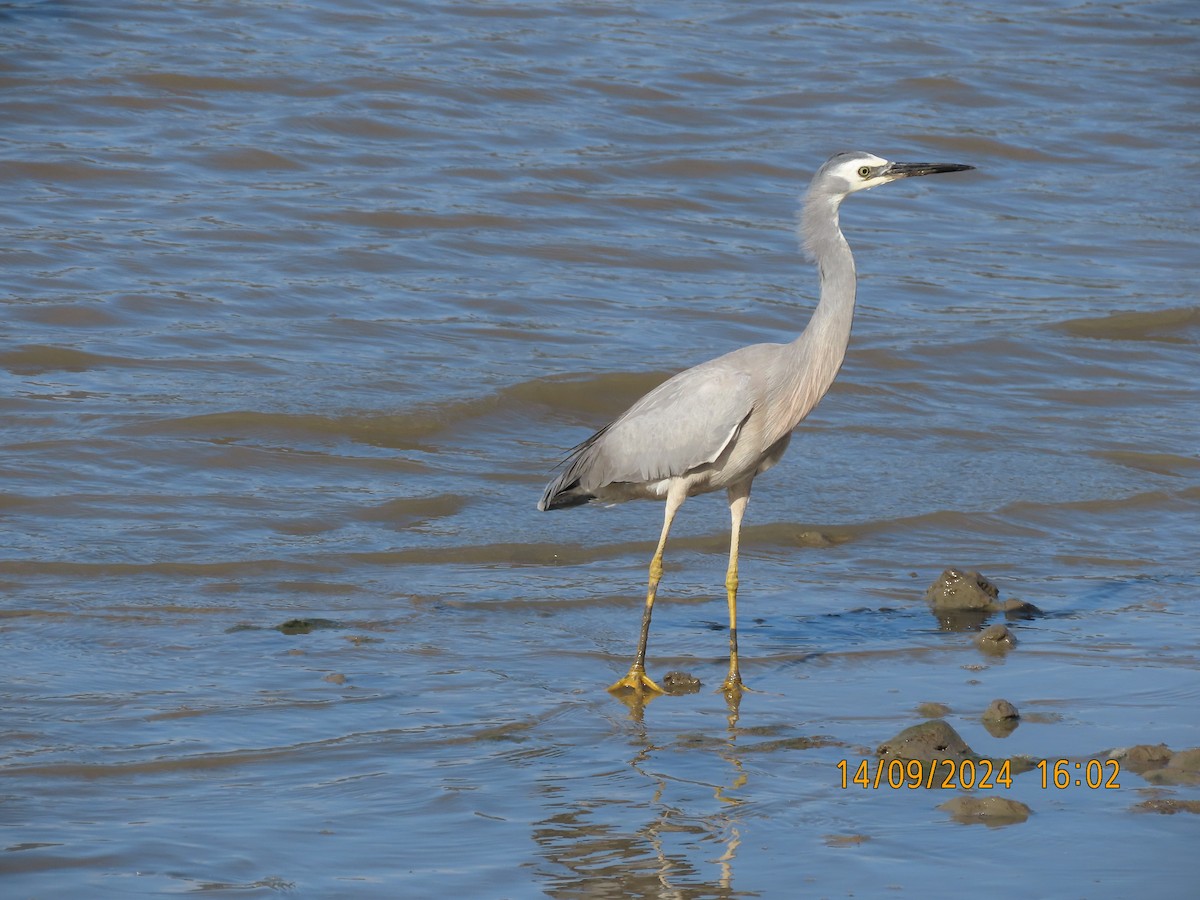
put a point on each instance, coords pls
(301, 303)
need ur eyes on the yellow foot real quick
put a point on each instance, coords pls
(637, 681)
(733, 685)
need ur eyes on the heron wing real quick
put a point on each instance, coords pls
(686, 422)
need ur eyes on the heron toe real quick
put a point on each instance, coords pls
(638, 681)
(733, 685)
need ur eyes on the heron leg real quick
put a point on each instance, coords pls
(739, 496)
(637, 679)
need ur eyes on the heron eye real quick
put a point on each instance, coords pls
(864, 171)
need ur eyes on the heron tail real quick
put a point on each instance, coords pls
(563, 496)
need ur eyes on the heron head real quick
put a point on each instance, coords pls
(851, 171)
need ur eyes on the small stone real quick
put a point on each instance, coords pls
(335, 678)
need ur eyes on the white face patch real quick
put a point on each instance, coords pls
(862, 172)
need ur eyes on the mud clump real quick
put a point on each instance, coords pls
(305, 626)
(1168, 806)
(1186, 760)
(992, 811)
(291, 626)
(680, 683)
(1142, 758)
(958, 590)
(995, 639)
(793, 743)
(845, 840)
(1001, 718)
(927, 741)
(813, 539)
(933, 710)
(1000, 711)
(1182, 768)
(1159, 764)
(962, 600)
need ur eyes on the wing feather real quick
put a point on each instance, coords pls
(686, 422)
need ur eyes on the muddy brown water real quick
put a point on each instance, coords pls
(302, 301)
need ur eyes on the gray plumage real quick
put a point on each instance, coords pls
(720, 424)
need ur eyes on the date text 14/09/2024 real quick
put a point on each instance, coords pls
(983, 774)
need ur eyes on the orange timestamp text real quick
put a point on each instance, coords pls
(1097, 774)
(982, 774)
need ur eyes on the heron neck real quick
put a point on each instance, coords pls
(823, 342)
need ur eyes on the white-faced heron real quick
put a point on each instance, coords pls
(721, 423)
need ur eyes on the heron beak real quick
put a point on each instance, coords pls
(910, 170)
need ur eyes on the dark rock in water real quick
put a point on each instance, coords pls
(680, 683)
(991, 810)
(927, 741)
(995, 639)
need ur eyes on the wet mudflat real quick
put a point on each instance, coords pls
(301, 303)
